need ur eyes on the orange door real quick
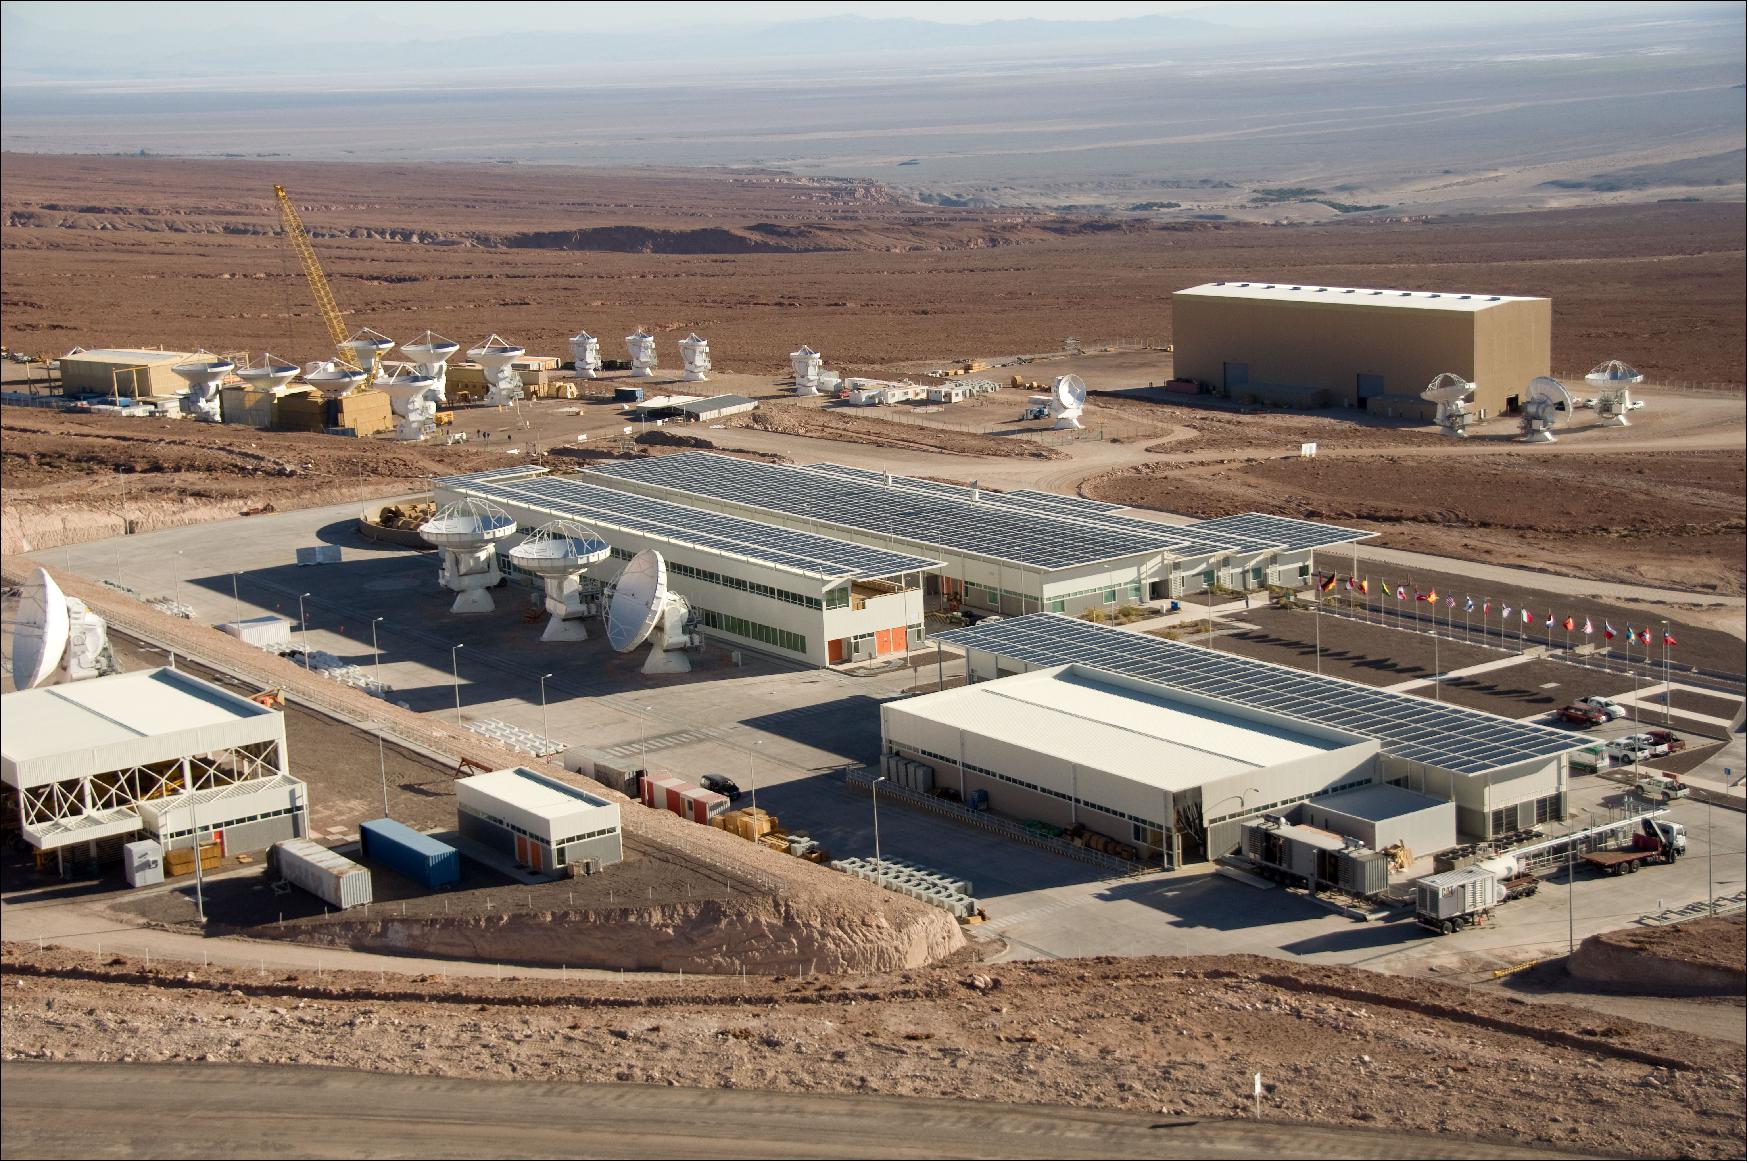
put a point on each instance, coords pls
(522, 850)
(535, 853)
(883, 642)
(835, 650)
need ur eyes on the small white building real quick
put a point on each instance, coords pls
(1123, 756)
(543, 823)
(1383, 815)
(158, 753)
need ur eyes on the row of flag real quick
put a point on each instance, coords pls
(1363, 587)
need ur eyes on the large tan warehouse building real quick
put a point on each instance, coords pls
(1352, 347)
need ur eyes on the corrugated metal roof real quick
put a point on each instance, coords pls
(118, 708)
(1136, 731)
(1352, 296)
(539, 797)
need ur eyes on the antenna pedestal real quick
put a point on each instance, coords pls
(569, 606)
(471, 573)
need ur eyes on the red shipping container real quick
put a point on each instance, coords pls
(655, 792)
(674, 796)
(701, 805)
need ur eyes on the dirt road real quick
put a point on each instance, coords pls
(69, 1109)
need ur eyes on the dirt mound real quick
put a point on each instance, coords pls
(796, 418)
(1181, 1036)
(1692, 957)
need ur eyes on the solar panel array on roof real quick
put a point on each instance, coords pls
(1288, 532)
(509, 472)
(1438, 734)
(999, 533)
(803, 553)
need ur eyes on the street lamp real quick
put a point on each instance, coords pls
(751, 786)
(177, 584)
(874, 800)
(304, 626)
(237, 598)
(455, 675)
(199, 885)
(644, 739)
(375, 651)
(543, 706)
(383, 770)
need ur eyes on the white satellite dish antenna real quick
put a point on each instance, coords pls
(558, 553)
(270, 373)
(808, 364)
(1546, 406)
(1068, 397)
(1452, 393)
(203, 373)
(333, 378)
(642, 608)
(413, 397)
(1612, 380)
(466, 535)
(695, 359)
(641, 347)
(56, 634)
(368, 348)
(431, 354)
(586, 354)
(39, 636)
(495, 354)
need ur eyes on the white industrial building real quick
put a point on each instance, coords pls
(156, 753)
(544, 824)
(1000, 552)
(1500, 774)
(801, 596)
(1075, 745)
(1382, 815)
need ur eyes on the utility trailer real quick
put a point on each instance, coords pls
(1657, 842)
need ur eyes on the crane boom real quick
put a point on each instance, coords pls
(300, 240)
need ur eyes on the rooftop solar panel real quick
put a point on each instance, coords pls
(787, 549)
(1289, 532)
(509, 472)
(925, 517)
(1438, 734)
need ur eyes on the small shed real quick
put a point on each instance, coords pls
(717, 407)
(1382, 814)
(543, 823)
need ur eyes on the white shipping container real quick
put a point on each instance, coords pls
(269, 632)
(323, 873)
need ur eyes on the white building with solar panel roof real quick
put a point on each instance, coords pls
(1201, 739)
(998, 552)
(795, 594)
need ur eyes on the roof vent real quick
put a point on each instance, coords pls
(1348, 290)
(1319, 290)
(1220, 284)
(1296, 288)
(1493, 298)
(1466, 296)
(1433, 294)
(1375, 292)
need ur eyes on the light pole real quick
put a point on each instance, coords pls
(376, 652)
(237, 598)
(1710, 911)
(383, 770)
(199, 883)
(177, 584)
(304, 626)
(754, 788)
(543, 706)
(644, 740)
(455, 675)
(1570, 847)
(874, 799)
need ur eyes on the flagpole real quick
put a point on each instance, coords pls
(1318, 619)
(1665, 623)
(1436, 668)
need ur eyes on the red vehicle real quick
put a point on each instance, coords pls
(1583, 716)
(1666, 739)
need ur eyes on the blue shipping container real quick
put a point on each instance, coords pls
(628, 395)
(412, 854)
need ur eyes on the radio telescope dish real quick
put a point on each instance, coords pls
(807, 364)
(268, 374)
(641, 348)
(1546, 406)
(586, 354)
(203, 374)
(1611, 379)
(413, 397)
(558, 553)
(333, 378)
(1068, 397)
(368, 348)
(695, 359)
(644, 609)
(431, 354)
(1450, 392)
(39, 636)
(466, 535)
(495, 354)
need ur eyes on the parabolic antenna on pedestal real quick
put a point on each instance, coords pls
(1068, 397)
(558, 553)
(695, 359)
(643, 609)
(1451, 392)
(586, 354)
(39, 636)
(333, 378)
(641, 348)
(431, 354)
(495, 354)
(466, 535)
(1611, 380)
(367, 347)
(1546, 406)
(413, 397)
(807, 364)
(203, 373)
(268, 374)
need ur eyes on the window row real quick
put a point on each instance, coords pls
(755, 631)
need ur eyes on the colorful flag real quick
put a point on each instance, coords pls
(1419, 596)
(1470, 605)
(1632, 633)
(1669, 638)
(1487, 604)
(1432, 596)
(1608, 631)
(1364, 586)
(1402, 593)
(1549, 622)
(1646, 636)
(1588, 628)
(1505, 612)
(1567, 623)
(1349, 584)
(1525, 615)
(1326, 584)
(1451, 601)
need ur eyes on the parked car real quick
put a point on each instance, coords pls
(1583, 716)
(1613, 709)
(1659, 786)
(721, 784)
(1630, 750)
(1670, 740)
(1645, 740)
